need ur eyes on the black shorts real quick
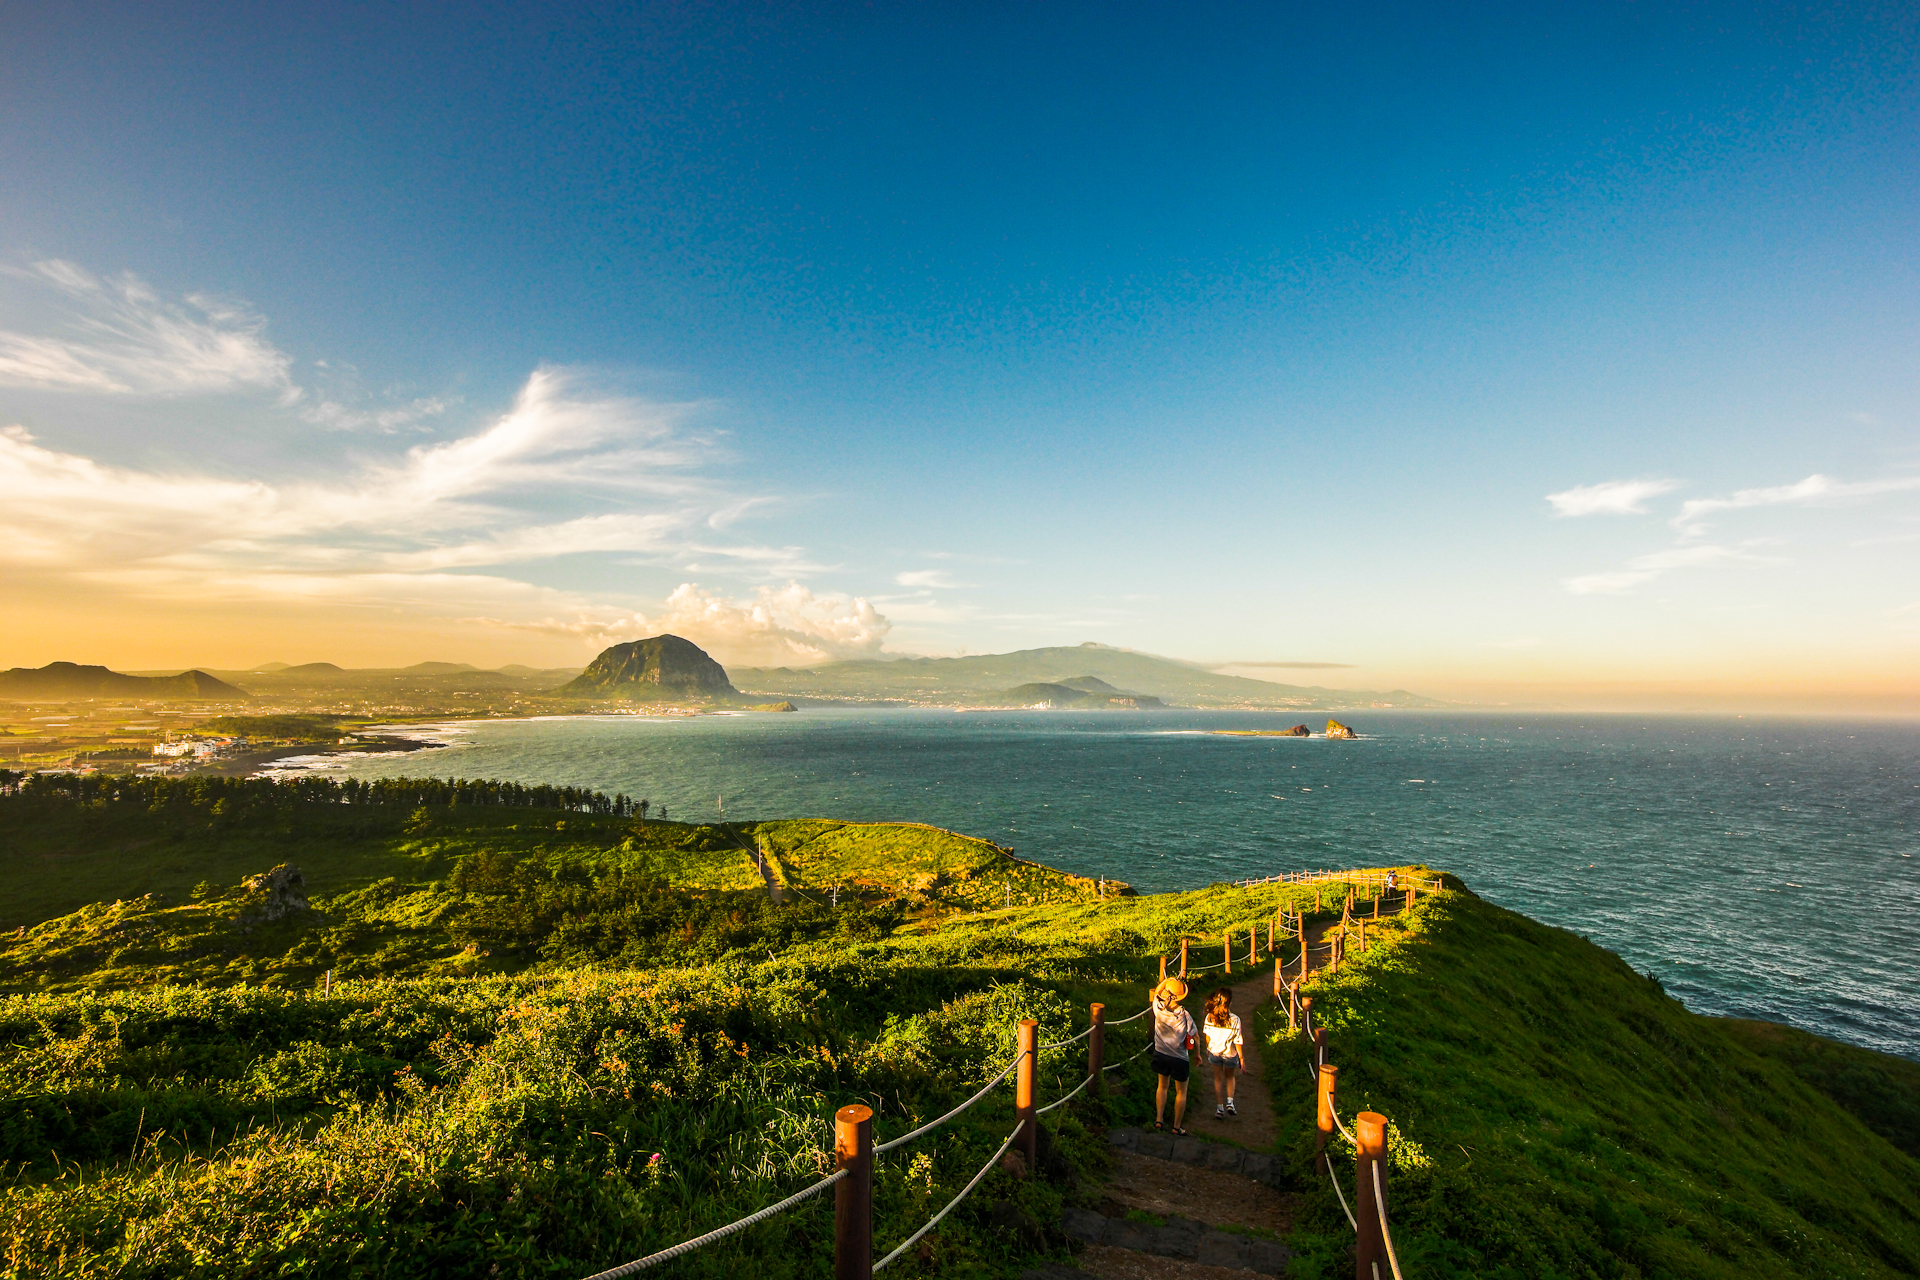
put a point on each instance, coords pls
(1172, 1068)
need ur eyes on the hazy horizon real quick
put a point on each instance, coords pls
(1506, 356)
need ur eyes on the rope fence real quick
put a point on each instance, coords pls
(721, 1233)
(853, 1125)
(853, 1129)
(1373, 1236)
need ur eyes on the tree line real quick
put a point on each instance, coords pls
(201, 791)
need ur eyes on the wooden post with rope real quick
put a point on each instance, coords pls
(1163, 968)
(1183, 958)
(1327, 1081)
(1293, 1008)
(1025, 1090)
(1097, 1050)
(1253, 945)
(1370, 1153)
(1363, 933)
(853, 1196)
(1228, 935)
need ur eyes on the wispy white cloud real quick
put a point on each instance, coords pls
(1610, 498)
(565, 471)
(1815, 488)
(1646, 568)
(936, 579)
(118, 337)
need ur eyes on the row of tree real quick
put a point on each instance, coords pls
(201, 791)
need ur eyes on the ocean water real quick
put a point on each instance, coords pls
(1763, 868)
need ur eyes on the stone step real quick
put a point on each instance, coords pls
(1189, 1149)
(1181, 1238)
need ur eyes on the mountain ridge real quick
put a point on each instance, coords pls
(981, 678)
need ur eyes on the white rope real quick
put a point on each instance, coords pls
(1063, 1101)
(931, 1125)
(1123, 1021)
(1058, 1044)
(1342, 1128)
(1117, 1065)
(1386, 1236)
(1343, 1199)
(934, 1221)
(688, 1246)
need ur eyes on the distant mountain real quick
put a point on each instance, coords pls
(1073, 695)
(984, 679)
(437, 668)
(661, 668)
(273, 666)
(70, 680)
(518, 672)
(313, 669)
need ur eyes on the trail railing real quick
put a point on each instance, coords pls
(855, 1152)
(1367, 1214)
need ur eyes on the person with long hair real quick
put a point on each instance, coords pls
(1223, 1050)
(1174, 1034)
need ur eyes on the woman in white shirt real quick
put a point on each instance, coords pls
(1223, 1050)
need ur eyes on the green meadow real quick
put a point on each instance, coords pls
(559, 1038)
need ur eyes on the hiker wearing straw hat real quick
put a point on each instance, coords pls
(1174, 1032)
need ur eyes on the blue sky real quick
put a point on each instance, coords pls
(1400, 339)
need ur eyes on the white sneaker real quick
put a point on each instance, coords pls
(1230, 1110)
(1219, 1113)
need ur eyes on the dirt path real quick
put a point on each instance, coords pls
(1253, 1126)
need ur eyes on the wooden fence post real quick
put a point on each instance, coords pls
(1279, 980)
(1253, 945)
(1370, 1152)
(1363, 933)
(1272, 925)
(1293, 1008)
(853, 1196)
(1327, 1079)
(1319, 1044)
(1097, 1050)
(1163, 968)
(1228, 935)
(1376, 904)
(1025, 1078)
(1183, 958)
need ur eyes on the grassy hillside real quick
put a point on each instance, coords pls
(1558, 1115)
(414, 890)
(652, 1049)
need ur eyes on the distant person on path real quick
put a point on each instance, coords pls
(1223, 1050)
(1393, 881)
(1174, 1033)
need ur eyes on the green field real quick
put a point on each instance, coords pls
(556, 1040)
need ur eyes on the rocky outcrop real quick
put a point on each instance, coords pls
(776, 706)
(275, 894)
(658, 669)
(1298, 731)
(1337, 730)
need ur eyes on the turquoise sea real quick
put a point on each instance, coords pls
(1760, 868)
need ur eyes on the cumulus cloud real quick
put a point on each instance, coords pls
(118, 337)
(1611, 498)
(774, 627)
(1655, 564)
